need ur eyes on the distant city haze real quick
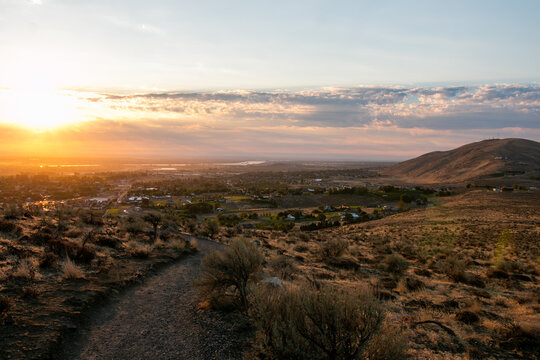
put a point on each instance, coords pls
(343, 80)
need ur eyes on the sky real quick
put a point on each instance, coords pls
(354, 80)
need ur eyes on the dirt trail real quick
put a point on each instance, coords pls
(158, 320)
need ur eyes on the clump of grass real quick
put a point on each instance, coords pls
(26, 269)
(141, 251)
(70, 270)
(395, 264)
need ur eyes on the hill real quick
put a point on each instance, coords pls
(484, 158)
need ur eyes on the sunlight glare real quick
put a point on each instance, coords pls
(38, 109)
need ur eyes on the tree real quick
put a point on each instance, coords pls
(154, 220)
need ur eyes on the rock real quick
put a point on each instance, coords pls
(273, 281)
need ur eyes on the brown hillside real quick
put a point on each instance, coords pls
(470, 161)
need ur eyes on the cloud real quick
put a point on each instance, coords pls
(364, 123)
(483, 107)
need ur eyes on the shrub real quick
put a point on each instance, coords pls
(155, 220)
(9, 227)
(232, 268)
(47, 260)
(141, 251)
(334, 248)
(413, 284)
(134, 227)
(40, 238)
(13, 211)
(319, 323)
(85, 254)
(30, 292)
(105, 240)
(395, 264)
(301, 248)
(454, 268)
(70, 270)
(210, 228)
(282, 266)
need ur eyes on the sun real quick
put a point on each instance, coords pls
(38, 109)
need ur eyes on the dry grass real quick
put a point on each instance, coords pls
(452, 251)
(26, 269)
(70, 270)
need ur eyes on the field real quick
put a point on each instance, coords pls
(460, 277)
(454, 268)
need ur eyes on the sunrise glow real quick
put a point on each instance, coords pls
(38, 109)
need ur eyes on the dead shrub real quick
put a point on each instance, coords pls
(108, 241)
(141, 251)
(454, 268)
(40, 238)
(66, 247)
(63, 247)
(6, 304)
(307, 322)
(301, 248)
(413, 284)
(344, 262)
(91, 217)
(227, 273)
(30, 292)
(395, 264)
(467, 317)
(333, 248)
(388, 344)
(47, 260)
(13, 212)
(85, 254)
(283, 267)
(8, 227)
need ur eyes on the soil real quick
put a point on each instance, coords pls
(160, 319)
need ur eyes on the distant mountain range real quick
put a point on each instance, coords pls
(480, 159)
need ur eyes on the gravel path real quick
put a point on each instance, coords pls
(158, 320)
